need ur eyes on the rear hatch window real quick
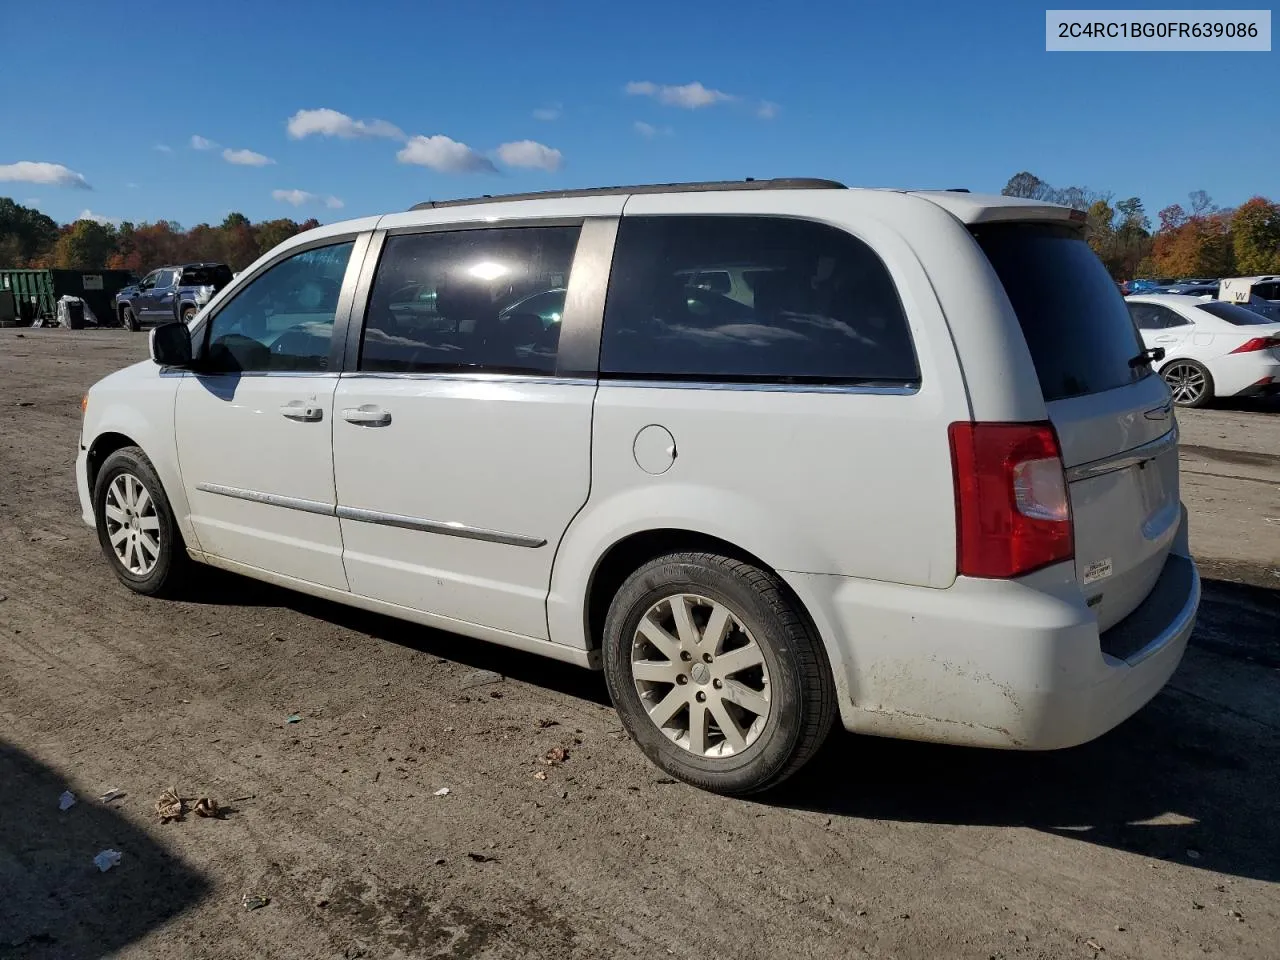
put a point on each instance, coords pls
(215, 275)
(1077, 327)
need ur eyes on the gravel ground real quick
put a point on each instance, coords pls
(1159, 840)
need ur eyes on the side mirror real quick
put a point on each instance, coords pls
(170, 345)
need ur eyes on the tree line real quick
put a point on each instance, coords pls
(29, 238)
(1199, 240)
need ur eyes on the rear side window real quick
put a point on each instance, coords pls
(486, 301)
(210, 275)
(751, 300)
(1233, 314)
(1074, 320)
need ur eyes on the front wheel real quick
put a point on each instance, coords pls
(130, 319)
(716, 673)
(1189, 382)
(188, 314)
(135, 525)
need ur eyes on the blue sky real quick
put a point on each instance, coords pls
(932, 94)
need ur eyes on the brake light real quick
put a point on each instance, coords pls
(1257, 343)
(1013, 515)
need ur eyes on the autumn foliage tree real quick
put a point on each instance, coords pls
(28, 238)
(1255, 236)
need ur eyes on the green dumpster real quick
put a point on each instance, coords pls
(32, 292)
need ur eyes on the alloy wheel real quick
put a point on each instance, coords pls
(1186, 383)
(133, 526)
(701, 675)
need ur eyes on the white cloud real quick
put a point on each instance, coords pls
(163, 148)
(245, 158)
(690, 96)
(445, 155)
(649, 131)
(30, 171)
(767, 110)
(295, 197)
(330, 123)
(551, 112)
(201, 143)
(131, 185)
(530, 153)
(32, 201)
(302, 197)
(99, 218)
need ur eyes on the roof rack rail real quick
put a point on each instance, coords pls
(783, 183)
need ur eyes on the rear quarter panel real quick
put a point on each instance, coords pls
(845, 483)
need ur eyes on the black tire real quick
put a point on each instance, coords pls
(188, 314)
(802, 697)
(129, 319)
(1170, 371)
(171, 565)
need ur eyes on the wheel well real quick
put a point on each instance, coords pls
(101, 448)
(628, 555)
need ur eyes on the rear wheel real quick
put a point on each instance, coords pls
(1190, 383)
(135, 525)
(129, 319)
(716, 674)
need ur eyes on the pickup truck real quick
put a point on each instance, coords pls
(170, 293)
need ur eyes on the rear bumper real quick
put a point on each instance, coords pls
(1011, 664)
(1242, 375)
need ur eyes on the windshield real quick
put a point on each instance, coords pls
(1075, 321)
(1234, 314)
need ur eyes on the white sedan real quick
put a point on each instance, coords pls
(1211, 348)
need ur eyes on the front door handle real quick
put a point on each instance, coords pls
(1167, 339)
(303, 412)
(367, 415)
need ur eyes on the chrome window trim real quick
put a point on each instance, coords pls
(451, 528)
(447, 528)
(469, 377)
(270, 499)
(1128, 458)
(889, 390)
(491, 223)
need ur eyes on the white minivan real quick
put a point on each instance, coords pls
(909, 466)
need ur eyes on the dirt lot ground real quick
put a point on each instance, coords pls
(1160, 840)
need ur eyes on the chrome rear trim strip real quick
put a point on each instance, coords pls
(1122, 461)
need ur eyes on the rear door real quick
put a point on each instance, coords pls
(1112, 413)
(462, 428)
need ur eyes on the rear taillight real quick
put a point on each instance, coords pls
(1258, 343)
(1012, 510)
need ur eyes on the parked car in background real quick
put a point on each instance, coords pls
(1211, 348)
(1188, 289)
(881, 479)
(170, 293)
(1147, 285)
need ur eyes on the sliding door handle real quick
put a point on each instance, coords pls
(367, 415)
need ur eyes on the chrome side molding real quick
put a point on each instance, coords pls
(448, 528)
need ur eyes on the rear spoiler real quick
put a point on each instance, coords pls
(975, 208)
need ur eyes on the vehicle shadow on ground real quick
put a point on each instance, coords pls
(1186, 773)
(53, 901)
(218, 587)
